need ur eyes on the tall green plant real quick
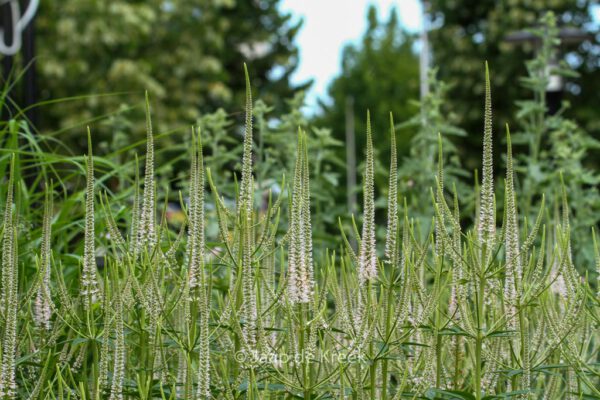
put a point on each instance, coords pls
(491, 310)
(556, 144)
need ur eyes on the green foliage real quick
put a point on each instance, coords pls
(253, 311)
(381, 74)
(556, 145)
(467, 31)
(185, 54)
(431, 120)
(273, 165)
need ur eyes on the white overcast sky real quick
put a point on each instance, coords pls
(329, 25)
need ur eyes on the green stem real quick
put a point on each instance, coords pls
(95, 387)
(478, 343)
(373, 366)
(438, 355)
(305, 362)
(524, 354)
(388, 321)
(456, 362)
(479, 338)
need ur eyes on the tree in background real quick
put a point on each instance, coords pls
(380, 74)
(432, 144)
(466, 32)
(187, 54)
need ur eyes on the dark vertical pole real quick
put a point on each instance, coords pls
(350, 156)
(30, 77)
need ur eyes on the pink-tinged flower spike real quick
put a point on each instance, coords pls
(487, 213)
(7, 242)
(43, 301)
(197, 278)
(514, 270)
(247, 184)
(196, 215)
(146, 228)
(300, 268)
(308, 271)
(457, 271)
(367, 269)
(244, 210)
(294, 252)
(9, 300)
(439, 200)
(391, 252)
(89, 277)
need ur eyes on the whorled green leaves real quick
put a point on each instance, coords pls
(457, 310)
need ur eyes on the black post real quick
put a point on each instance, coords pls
(553, 101)
(7, 61)
(30, 77)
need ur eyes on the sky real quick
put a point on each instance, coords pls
(328, 26)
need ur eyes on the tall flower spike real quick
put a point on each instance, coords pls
(8, 386)
(457, 261)
(568, 270)
(7, 241)
(245, 196)
(9, 304)
(307, 226)
(106, 345)
(439, 199)
(89, 278)
(300, 269)
(294, 252)
(43, 301)
(135, 209)
(196, 213)
(203, 344)
(146, 229)
(513, 259)
(367, 269)
(487, 217)
(245, 218)
(392, 218)
(196, 260)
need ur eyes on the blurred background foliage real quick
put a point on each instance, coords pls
(187, 54)
(380, 73)
(96, 58)
(465, 32)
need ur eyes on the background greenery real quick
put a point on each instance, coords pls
(455, 302)
(468, 31)
(187, 55)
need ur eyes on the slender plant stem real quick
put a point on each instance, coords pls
(388, 322)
